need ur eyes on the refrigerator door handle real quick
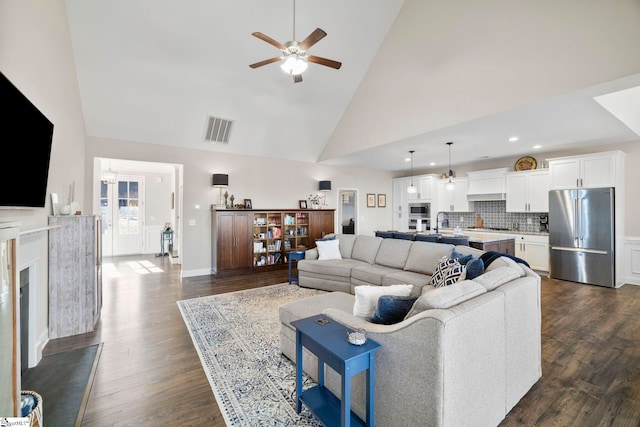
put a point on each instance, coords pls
(588, 251)
(575, 220)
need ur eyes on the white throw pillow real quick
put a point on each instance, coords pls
(328, 249)
(367, 297)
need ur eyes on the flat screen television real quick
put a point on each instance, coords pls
(26, 144)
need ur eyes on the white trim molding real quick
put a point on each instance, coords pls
(632, 260)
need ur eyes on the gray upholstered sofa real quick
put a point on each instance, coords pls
(371, 260)
(465, 363)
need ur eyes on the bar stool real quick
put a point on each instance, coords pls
(455, 240)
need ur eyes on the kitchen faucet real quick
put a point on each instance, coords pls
(437, 220)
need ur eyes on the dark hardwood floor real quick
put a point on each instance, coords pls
(149, 372)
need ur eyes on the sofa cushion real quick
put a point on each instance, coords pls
(315, 304)
(337, 267)
(392, 309)
(466, 250)
(418, 280)
(446, 297)
(367, 297)
(424, 256)
(346, 244)
(372, 274)
(498, 276)
(447, 273)
(365, 248)
(393, 253)
(328, 249)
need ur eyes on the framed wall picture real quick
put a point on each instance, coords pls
(371, 200)
(303, 204)
(247, 204)
(382, 200)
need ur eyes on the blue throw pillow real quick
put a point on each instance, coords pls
(462, 259)
(328, 237)
(392, 309)
(475, 267)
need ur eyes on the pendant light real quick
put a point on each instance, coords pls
(411, 189)
(450, 185)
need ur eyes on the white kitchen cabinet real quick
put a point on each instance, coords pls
(400, 199)
(534, 249)
(453, 200)
(527, 191)
(588, 171)
(491, 181)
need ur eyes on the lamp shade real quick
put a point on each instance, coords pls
(220, 180)
(324, 186)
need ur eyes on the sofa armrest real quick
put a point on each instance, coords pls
(311, 253)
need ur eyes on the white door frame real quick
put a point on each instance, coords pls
(356, 214)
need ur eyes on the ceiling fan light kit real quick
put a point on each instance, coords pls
(294, 53)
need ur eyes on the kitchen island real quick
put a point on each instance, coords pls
(503, 243)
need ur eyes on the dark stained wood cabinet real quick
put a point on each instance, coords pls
(320, 224)
(232, 240)
(235, 232)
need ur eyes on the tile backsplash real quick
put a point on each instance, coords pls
(494, 215)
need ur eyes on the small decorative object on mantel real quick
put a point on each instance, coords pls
(315, 201)
(247, 204)
(525, 163)
(226, 197)
(302, 204)
(231, 198)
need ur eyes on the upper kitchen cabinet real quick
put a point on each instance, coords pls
(400, 199)
(528, 191)
(604, 169)
(424, 184)
(487, 184)
(453, 200)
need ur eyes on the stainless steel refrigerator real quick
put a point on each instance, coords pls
(582, 235)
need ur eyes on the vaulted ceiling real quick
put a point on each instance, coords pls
(415, 74)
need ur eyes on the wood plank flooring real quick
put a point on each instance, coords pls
(149, 373)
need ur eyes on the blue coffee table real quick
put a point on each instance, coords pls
(327, 339)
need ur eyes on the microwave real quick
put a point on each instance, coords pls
(419, 209)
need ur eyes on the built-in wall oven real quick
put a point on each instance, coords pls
(420, 216)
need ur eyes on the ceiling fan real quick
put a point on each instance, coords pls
(294, 53)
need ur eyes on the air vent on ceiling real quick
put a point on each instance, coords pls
(218, 130)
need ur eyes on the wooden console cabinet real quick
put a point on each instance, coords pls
(75, 274)
(245, 239)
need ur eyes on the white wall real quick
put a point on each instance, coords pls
(36, 55)
(269, 183)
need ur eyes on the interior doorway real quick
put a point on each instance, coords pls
(348, 210)
(142, 200)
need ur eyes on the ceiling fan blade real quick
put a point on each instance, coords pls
(266, 61)
(312, 39)
(297, 78)
(324, 61)
(269, 40)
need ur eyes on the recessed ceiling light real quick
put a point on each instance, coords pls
(513, 139)
(432, 164)
(407, 159)
(535, 147)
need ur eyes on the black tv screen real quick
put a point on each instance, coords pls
(26, 139)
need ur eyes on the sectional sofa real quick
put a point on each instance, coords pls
(465, 354)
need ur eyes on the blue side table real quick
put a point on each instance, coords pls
(294, 256)
(327, 339)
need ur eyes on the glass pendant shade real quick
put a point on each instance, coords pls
(294, 65)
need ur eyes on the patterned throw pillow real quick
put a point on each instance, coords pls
(447, 272)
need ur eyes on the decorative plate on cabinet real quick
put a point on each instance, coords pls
(526, 163)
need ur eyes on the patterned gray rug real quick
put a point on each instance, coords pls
(236, 336)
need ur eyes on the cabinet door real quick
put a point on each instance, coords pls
(233, 241)
(445, 198)
(538, 191)
(400, 203)
(460, 201)
(424, 184)
(320, 224)
(517, 199)
(597, 171)
(400, 221)
(564, 173)
(537, 255)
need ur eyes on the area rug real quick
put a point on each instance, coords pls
(236, 336)
(64, 381)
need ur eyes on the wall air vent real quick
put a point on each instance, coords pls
(218, 130)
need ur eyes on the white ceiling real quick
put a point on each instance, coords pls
(154, 71)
